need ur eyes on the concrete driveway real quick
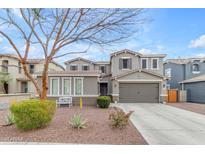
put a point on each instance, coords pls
(163, 124)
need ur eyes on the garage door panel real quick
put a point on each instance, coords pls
(139, 92)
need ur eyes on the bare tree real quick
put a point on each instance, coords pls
(54, 29)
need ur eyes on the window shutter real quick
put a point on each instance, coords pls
(120, 63)
(130, 63)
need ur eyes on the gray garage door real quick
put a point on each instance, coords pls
(139, 93)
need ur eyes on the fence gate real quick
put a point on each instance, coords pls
(172, 96)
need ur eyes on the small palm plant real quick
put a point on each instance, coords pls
(78, 122)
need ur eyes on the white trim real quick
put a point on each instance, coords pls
(125, 57)
(140, 80)
(115, 94)
(103, 81)
(146, 63)
(157, 64)
(75, 95)
(51, 85)
(81, 85)
(62, 87)
(196, 72)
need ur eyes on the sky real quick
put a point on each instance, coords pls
(175, 32)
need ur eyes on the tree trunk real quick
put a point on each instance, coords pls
(31, 78)
(45, 81)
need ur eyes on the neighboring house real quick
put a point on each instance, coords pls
(129, 77)
(19, 83)
(187, 74)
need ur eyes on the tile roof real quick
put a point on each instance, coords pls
(71, 73)
(183, 61)
(138, 70)
(30, 60)
(195, 79)
(137, 53)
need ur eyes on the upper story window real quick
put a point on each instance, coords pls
(168, 72)
(103, 68)
(31, 68)
(125, 63)
(85, 67)
(144, 63)
(73, 67)
(19, 67)
(5, 65)
(155, 63)
(195, 68)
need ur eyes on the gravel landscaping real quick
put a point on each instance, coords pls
(194, 107)
(59, 131)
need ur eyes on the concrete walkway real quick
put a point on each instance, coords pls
(163, 124)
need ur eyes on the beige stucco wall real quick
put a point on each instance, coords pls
(136, 63)
(90, 85)
(79, 63)
(13, 70)
(138, 77)
(10, 98)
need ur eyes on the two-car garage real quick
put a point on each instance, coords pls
(138, 92)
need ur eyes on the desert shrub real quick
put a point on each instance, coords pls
(119, 119)
(32, 114)
(103, 101)
(78, 122)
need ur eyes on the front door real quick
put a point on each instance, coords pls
(103, 89)
(24, 87)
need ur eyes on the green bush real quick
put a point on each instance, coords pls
(119, 119)
(77, 122)
(32, 114)
(103, 101)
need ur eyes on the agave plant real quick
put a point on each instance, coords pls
(9, 119)
(78, 122)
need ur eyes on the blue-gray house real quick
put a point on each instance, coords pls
(187, 74)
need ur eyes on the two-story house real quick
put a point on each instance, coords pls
(136, 77)
(187, 74)
(129, 77)
(19, 83)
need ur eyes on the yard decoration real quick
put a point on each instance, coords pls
(81, 103)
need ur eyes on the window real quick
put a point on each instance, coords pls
(155, 63)
(78, 86)
(54, 90)
(168, 72)
(5, 65)
(125, 63)
(66, 84)
(19, 67)
(31, 68)
(73, 67)
(144, 63)
(195, 68)
(85, 67)
(102, 68)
